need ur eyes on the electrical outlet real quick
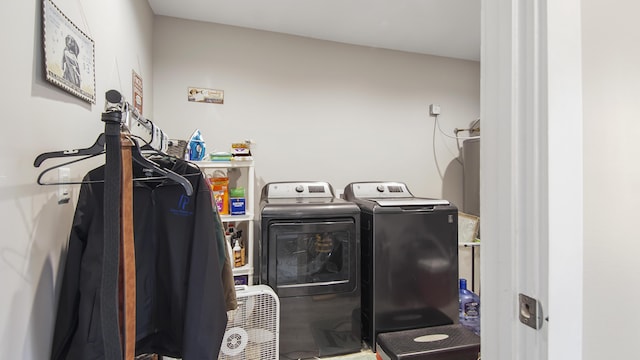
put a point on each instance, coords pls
(64, 193)
(434, 110)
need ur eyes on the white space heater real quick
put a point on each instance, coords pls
(253, 329)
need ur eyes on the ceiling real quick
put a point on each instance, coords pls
(448, 28)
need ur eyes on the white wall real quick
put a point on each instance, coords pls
(317, 110)
(611, 83)
(39, 117)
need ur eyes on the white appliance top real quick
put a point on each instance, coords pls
(391, 194)
(410, 202)
(304, 189)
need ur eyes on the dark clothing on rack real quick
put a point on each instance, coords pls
(230, 299)
(180, 305)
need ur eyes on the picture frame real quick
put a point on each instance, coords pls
(69, 54)
(136, 83)
(202, 95)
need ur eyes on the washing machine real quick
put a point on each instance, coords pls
(310, 256)
(409, 259)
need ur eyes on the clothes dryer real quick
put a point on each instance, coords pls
(310, 256)
(409, 259)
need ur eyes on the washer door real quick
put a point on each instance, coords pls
(312, 258)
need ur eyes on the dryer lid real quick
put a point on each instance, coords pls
(388, 193)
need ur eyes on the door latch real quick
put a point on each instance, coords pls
(530, 311)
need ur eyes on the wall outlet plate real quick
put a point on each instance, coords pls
(434, 110)
(64, 191)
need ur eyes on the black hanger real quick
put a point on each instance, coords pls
(39, 180)
(137, 156)
(151, 153)
(95, 149)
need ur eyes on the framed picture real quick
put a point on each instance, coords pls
(136, 82)
(202, 95)
(69, 54)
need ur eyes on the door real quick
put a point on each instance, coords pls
(312, 257)
(531, 178)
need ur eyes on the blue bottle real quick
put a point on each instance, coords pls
(469, 308)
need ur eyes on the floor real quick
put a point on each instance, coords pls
(363, 355)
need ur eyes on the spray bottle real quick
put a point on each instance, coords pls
(238, 251)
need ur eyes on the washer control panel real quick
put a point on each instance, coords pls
(368, 190)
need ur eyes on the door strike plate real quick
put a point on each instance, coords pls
(530, 311)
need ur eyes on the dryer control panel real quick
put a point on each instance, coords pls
(308, 189)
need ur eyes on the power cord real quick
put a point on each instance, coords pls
(456, 137)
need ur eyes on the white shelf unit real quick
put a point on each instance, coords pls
(246, 179)
(473, 246)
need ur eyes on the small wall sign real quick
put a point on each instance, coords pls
(136, 82)
(210, 96)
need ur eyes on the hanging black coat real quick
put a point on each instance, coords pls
(180, 309)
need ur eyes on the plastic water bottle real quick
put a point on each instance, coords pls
(469, 308)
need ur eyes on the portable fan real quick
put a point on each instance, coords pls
(253, 328)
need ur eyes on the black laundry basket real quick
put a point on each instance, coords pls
(447, 342)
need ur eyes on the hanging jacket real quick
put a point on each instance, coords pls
(230, 299)
(180, 304)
